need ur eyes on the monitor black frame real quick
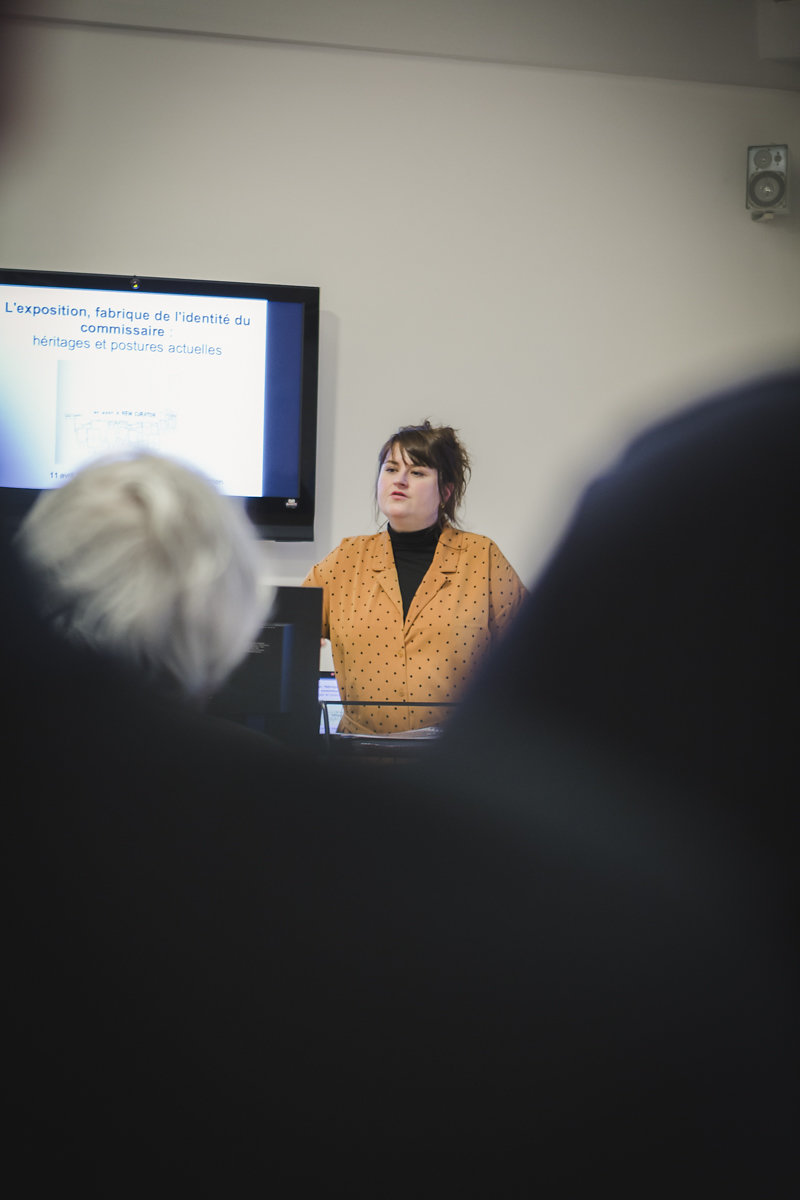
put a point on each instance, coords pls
(274, 518)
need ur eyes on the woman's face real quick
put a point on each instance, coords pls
(408, 495)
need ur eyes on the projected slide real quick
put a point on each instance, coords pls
(84, 373)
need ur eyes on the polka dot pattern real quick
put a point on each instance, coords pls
(467, 597)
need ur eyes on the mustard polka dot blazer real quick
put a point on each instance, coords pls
(467, 597)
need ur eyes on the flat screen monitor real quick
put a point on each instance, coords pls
(222, 376)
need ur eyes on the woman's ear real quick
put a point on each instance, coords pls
(445, 493)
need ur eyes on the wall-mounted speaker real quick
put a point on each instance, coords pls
(768, 180)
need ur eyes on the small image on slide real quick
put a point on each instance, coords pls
(104, 409)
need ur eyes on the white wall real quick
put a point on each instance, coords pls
(546, 259)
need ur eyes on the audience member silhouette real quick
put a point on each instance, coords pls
(643, 713)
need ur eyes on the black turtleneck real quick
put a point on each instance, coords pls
(413, 554)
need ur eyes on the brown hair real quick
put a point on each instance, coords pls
(437, 447)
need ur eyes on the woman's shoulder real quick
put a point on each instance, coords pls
(353, 549)
(477, 552)
(360, 543)
(364, 539)
(465, 540)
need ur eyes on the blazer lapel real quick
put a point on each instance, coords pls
(445, 564)
(381, 563)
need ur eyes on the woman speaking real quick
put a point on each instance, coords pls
(411, 610)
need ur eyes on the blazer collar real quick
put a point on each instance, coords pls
(445, 561)
(448, 550)
(446, 558)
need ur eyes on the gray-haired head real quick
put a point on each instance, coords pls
(141, 558)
